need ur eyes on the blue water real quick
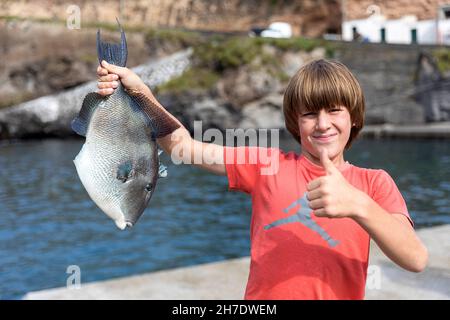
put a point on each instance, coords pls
(48, 221)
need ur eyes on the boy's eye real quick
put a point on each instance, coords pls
(335, 110)
(308, 114)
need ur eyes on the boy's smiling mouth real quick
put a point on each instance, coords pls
(324, 137)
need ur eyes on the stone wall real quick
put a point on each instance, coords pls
(393, 79)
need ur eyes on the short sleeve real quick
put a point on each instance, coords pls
(386, 193)
(245, 166)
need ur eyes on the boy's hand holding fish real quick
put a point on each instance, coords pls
(109, 76)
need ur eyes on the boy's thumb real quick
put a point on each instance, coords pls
(120, 71)
(326, 162)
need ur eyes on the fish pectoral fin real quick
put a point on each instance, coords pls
(124, 171)
(159, 152)
(162, 172)
(81, 123)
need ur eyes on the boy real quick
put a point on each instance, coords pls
(313, 217)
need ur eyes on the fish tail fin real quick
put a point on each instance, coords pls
(114, 53)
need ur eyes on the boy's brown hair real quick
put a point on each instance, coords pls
(323, 84)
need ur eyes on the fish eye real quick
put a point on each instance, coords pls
(149, 187)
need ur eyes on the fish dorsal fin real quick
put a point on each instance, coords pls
(81, 123)
(157, 118)
(114, 53)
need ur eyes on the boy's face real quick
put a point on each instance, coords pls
(328, 129)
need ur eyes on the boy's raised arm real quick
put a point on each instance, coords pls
(173, 137)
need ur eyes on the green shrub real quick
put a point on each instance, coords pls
(442, 57)
(214, 55)
(16, 99)
(174, 36)
(193, 78)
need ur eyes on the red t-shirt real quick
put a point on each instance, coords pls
(294, 254)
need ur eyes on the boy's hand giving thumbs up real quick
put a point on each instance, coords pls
(331, 195)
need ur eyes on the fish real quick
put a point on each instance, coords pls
(119, 163)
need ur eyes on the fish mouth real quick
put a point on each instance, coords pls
(129, 224)
(122, 225)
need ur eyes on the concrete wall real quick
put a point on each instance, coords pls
(388, 74)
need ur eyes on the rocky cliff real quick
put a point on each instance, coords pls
(38, 59)
(42, 59)
(308, 17)
(50, 116)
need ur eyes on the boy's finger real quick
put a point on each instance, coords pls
(320, 212)
(120, 71)
(108, 78)
(314, 194)
(101, 71)
(313, 184)
(327, 164)
(316, 204)
(106, 85)
(105, 92)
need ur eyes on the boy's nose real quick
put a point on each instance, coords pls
(323, 121)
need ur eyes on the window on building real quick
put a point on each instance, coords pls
(383, 34)
(354, 33)
(413, 35)
(446, 11)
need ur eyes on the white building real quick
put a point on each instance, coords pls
(406, 30)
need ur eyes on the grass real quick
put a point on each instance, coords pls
(108, 26)
(217, 54)
(22, 19)
(228, 53)
(16, 99)
(194, 78)
(175, 36)
(442, 57)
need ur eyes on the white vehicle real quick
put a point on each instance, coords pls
(277, 30)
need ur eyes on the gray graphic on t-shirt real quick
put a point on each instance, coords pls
(303, 215)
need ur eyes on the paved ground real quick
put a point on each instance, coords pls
(227, 279)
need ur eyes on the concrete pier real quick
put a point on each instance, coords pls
(227, 279)
(437, 130)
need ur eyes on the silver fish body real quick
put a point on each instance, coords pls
(118, 164)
